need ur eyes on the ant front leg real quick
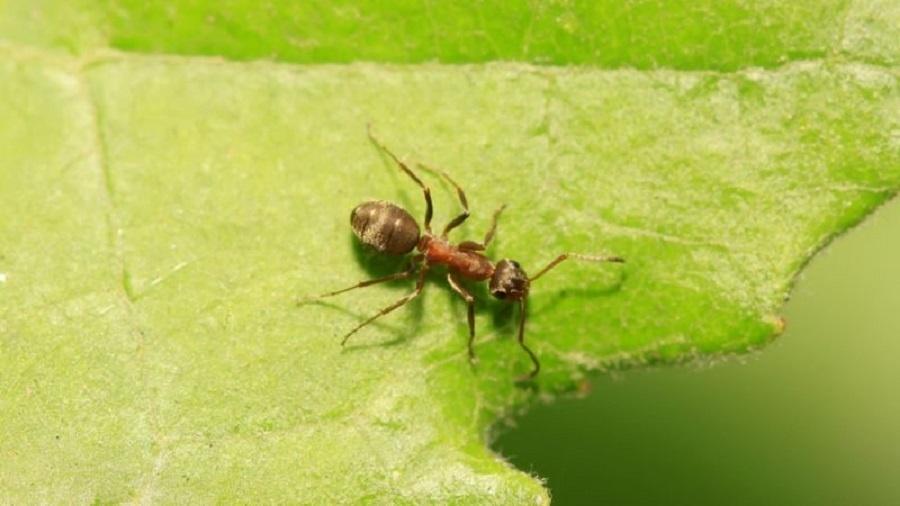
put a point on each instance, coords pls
(425, 190)
(470, 302)
(534, 360)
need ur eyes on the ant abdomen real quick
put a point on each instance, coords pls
(385, 227)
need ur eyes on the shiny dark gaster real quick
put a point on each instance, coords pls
(385, 227)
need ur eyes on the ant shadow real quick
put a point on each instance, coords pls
(505, 315)
(377, 264)
(358, 316)
(551, 300)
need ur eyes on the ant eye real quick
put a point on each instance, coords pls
(500, 294)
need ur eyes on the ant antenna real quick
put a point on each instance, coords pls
(522, 303)
(576, 256)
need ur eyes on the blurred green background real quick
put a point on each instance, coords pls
(814, 419)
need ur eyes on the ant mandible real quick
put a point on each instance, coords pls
(390, 229)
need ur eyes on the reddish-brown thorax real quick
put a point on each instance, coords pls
(468, 264)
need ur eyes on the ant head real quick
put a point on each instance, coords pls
(509, 281)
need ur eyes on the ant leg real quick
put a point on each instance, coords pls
(457, 221)
(470, 301)
(534, 360)
(489, 236)
(425, 190)
(369, 282)
(420, 283)
(577, 256)
(475, 246)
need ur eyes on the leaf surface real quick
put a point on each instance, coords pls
(163, 212)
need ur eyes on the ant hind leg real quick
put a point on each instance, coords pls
(408, 273)
(420, 283)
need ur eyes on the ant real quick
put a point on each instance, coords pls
(391, 230)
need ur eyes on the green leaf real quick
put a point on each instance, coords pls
(162, 213)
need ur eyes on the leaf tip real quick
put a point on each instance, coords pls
(778, 323)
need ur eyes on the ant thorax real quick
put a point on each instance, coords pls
(468, 264)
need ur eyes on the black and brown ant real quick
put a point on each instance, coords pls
(390, 229)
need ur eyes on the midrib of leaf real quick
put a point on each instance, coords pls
(146, 488)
